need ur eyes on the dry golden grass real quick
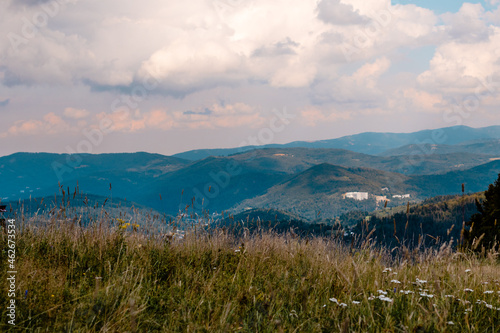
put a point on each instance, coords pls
(103, 278)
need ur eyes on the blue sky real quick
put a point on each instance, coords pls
(163, 76)
(442, 6)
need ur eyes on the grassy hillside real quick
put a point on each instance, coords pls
(114, 278)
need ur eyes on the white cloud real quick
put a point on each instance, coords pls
(201, 45)
(266, 53)
(213, 117)
(337, 13)
(360, 88)
(460, 67)
(50, 124)
(468, 25)
(76, 113)
(313, 116)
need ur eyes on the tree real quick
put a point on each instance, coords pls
(484, 227)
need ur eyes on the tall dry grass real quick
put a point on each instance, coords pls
(108, 278)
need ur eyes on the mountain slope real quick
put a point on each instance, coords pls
(320, 189)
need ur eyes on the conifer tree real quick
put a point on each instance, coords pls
(484, 227)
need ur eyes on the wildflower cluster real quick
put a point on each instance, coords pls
(124, 225)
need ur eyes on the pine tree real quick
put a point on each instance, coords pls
(484, 227)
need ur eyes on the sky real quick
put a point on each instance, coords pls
(93, 76)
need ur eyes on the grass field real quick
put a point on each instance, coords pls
(114, 277)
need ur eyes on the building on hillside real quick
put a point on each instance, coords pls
(399, 196)
(380, 198)
(356, 195)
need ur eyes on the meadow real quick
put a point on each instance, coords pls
(121, 275)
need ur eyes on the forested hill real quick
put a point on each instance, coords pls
(435, 220)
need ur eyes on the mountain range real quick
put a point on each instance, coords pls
(308, 181)
(373, 143)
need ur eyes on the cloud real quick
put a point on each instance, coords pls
(362, 87)
(282, 43)
(337, 13)
(5, 102)
(204, 112)
(216, 116)
(285, 47)
(50, 124)
(423, 101)
(461, 67)
(221, 116)
(294, 49)
(312, 116)
(468, 25)
(75, 113)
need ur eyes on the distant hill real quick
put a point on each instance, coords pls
(82, 208)
(308, 182)
(368, 143)
(485, 147)
(317, 192)
(38, 174)
(294, 160)
(432, 222)
(475, 179)
(306, 178)
(273, 220)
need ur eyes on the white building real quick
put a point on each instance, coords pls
(356, 195)
(401, 196)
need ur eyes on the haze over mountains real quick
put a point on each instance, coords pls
(306, 178)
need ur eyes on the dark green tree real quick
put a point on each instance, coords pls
(484, 227)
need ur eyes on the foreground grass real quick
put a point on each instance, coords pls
(111, 279)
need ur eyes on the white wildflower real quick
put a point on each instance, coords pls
(355, 302)
(468, 289)
(382, 292)
(343, 305)
(488, 292)
(467, 271)
(421, 281)
(334, 300)
(450, 323)
(424, 294)
(385, 298)
(395, 281)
